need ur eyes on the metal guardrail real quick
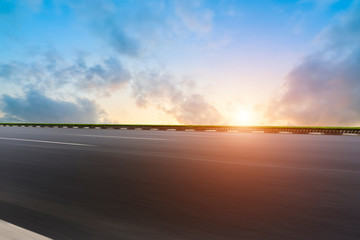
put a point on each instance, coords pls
(203, 128)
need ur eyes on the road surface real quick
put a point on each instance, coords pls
(128, 184)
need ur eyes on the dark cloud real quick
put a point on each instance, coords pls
(324, 89)
(36, 107)
(174, 98)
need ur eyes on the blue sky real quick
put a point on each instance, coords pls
(187, 62)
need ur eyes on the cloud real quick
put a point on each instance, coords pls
(195, 109)
(108, 76)
(7, 70)
(324, 89)
(194, 16)
(110, 22)
(174, 98)
(128, 31)
(50, 70)
(132, 28)
(36, 107)
(120, 41)
(110, 29)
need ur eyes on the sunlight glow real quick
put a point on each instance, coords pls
(244, 116)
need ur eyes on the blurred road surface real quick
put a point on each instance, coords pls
(128, 184)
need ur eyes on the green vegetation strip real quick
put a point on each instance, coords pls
(180, 126)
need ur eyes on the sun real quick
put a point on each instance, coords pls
(244, 117)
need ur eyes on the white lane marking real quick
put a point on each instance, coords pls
(350, 134)
(122, 137)
(42, 141)
(11, 231)
(316, 133)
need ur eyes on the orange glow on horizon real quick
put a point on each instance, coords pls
(244, 116)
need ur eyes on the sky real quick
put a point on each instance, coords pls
(260, 62)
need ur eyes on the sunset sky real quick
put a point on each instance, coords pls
(180, 62)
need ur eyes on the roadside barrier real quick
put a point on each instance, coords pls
(348, 131)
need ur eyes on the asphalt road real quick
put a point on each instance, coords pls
(128, 184)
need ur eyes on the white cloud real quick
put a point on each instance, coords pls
(194, 17)
(324, 88)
